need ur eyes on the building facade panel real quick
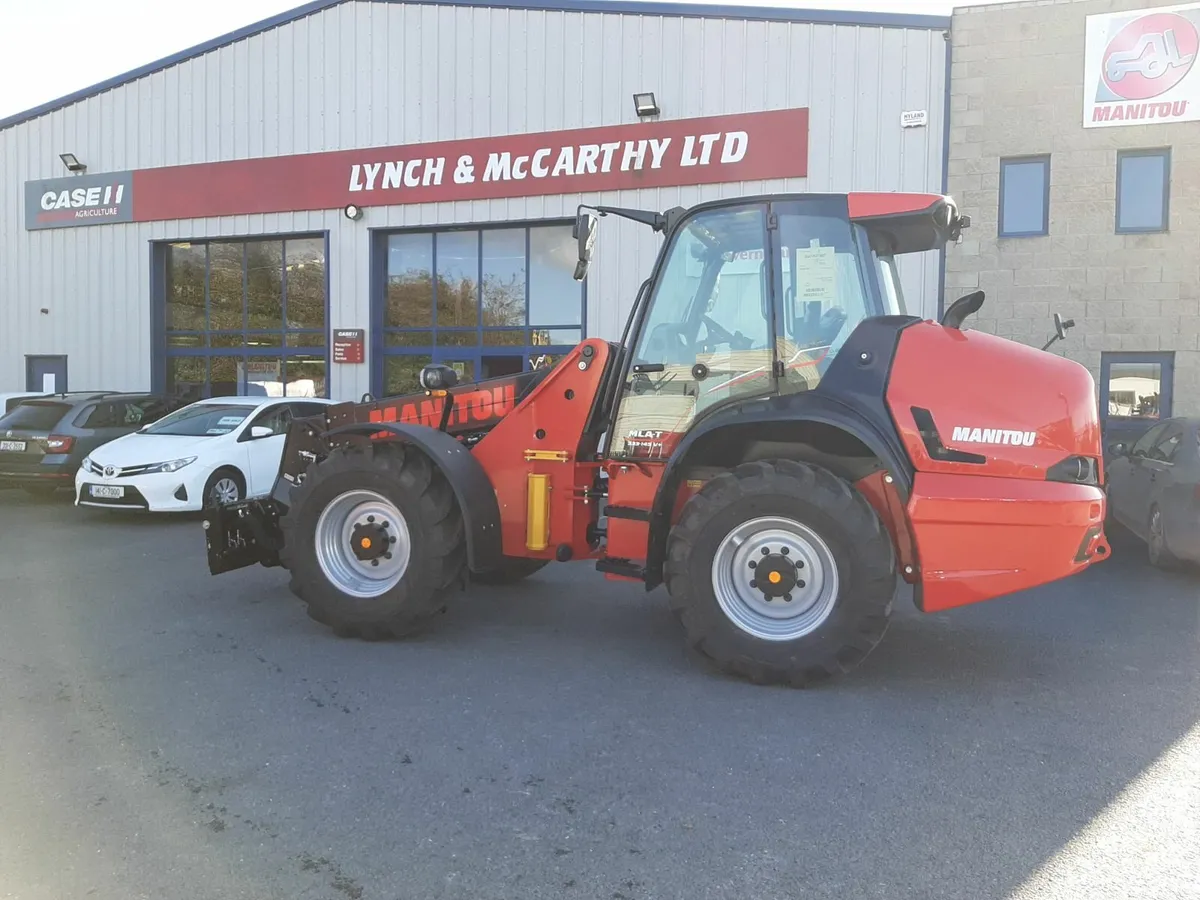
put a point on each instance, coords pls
(367, 74)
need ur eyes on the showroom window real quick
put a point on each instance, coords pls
(1024, 196)
(486, 301)
(1143, 191)
(1136, 387)
(245, 316)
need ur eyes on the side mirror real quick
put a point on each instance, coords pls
(260, 431)
(1117, 448)
(961, 308)
(585, 234)
(1061, 325)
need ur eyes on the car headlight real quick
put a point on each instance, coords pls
(86, 465)
(173, 466)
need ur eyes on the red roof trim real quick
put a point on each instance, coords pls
(871, 205)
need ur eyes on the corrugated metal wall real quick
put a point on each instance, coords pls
(368, 74)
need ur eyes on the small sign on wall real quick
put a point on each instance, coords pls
(914, 118)
(349, 345)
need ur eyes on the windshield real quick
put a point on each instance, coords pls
(202, 420)
(33, 416)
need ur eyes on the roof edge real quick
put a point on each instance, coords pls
(621, 7)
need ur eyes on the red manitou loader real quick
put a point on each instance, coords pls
(773, 439)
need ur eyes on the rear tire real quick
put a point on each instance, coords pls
(399, 595)
(510, 571)
(814, 537)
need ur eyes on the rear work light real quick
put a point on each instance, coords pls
(1075, 470)
(58, 443)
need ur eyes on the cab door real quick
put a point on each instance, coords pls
(266, 452)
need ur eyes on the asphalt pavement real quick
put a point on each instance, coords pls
(165, 734)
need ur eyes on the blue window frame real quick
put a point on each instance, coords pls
(242, 316)
(1136, 387)
(1143, 191)
(487, 300)
(1024, 196)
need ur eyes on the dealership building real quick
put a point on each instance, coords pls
(1075, 148)
(321, 203)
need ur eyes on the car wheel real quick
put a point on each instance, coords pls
(225, 486)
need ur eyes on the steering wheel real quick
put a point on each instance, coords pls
(719, 334)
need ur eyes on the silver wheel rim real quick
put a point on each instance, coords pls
(224, 491)
(775, 619)
(335, 530)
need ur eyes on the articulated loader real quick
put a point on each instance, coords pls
(773, 439)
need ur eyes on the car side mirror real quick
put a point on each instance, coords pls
(260, 431)
(585, 234)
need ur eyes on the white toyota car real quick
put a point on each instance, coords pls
(211, 452)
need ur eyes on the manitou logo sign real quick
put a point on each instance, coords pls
(1140, 67)
(998, 436)
(83, 200)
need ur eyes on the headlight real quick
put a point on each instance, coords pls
(173, 466)
(86, 465)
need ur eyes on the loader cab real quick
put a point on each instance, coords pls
(752, 298)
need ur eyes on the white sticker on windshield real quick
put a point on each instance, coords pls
(229, 420)
(816, 273)
(218, 431)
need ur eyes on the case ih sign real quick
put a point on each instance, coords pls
(746, 147)
(1140, 67)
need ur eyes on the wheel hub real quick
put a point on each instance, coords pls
(371, 541)
(775, 575)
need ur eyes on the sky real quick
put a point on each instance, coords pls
(50, 48)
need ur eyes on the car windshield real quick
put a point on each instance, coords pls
(201, 420)
(34, 416)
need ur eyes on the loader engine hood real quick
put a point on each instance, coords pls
(967, 402)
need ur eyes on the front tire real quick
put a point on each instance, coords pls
(374, 541)
(781, 573)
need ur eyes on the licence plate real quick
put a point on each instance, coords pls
(106, 491)
(14, 446)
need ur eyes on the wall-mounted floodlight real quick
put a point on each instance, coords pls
(353, 212)
(645, 105)
(71, 161)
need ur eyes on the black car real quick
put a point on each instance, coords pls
(43, 441)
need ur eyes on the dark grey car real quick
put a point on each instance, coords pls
(44, 440)
(1154, 489)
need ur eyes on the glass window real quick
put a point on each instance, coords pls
(277, 418)
(824, 294)
(1164, 449)
(1134, 389)
(554, 294)
(305, 376)
(1025, 196)
(261, 294)
(124, 413)
(503, 286)
(306, 283)
(31, 416)
(457, 261)
(225, 272)
(202, 420)
(409, 281)
(400, 373)
(706, 336)
(889, 280)
(1143, 190)
(186, 264)
(264, 285)
(1143, 444)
